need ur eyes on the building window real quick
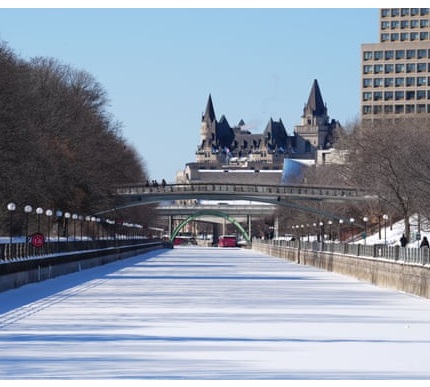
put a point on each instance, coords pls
(385, 25)
(410, 109)
(378, 69)
(414, 23)
(421, 81)
(367, 96)
(400, 68)
(399, 109)
(388, 95)
(414, 36)
(421, 67)
(410, 95)
(367, 82)
(404, 24)
(410, 81)
(421, 108)
(395, 12)
(394, 37)
(422, 53)
(377, 109)
(377, 82)
(388, 82)
(410, 68)
(424, 23)
(400, 82)
(415, 11)
(389, 54)
(395, 24)
(424, 36)
(367, 69)
(389, 68)
(367, 55)
(404, 36)
(385, 12)
(385, 37)
(421, 94)
(410, 54)
(367, 109)
(378, 55)
(388, 109)
(404, 11)
(424, 11)
(400, 54)
(377, 96)
(399, 95)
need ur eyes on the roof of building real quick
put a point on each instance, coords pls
(315, 103)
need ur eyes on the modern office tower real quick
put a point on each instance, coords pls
(396, 71)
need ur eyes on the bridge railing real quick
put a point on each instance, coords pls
(288, 190)
(406, 255)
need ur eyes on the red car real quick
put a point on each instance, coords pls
(227, 241)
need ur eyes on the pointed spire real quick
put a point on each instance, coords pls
(209, 115)
(315, 102)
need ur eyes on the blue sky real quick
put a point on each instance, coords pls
(158, 66)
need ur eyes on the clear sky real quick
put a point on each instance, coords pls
(158, 66)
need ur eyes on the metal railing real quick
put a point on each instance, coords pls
(407, 255)
(22, 251)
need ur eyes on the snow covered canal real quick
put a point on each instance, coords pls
(211, 313)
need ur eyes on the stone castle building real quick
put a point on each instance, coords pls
(235, 155)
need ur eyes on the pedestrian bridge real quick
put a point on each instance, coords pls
(133, 195)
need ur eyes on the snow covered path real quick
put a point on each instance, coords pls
(211, 313)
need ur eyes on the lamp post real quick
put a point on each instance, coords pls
(67, 216)
(340, 229)
(39, 211)
(59, 214)
(352, 220)
(27, 210)
(322, 231)
(81, 220)
(330, 222)
(385, 217)
(48, 213)
(11, 208)
(365, 220)
(75, 218)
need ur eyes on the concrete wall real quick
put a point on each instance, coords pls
(409, 278)
(72, 263)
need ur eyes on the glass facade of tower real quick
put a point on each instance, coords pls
(396, 71)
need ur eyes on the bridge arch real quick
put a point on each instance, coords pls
(215, 213)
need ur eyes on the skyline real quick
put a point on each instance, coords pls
(158, 66)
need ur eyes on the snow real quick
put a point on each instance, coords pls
(194, 313)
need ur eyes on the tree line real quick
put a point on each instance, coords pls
(60, 148)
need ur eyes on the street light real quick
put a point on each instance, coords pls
(340, 229)
(67, 216)
(385, 217)
(75, 218)
(330, 222)
(322, 231)
(59, 214)
(11, 208)
(48, 213)
(352, 220)
(39, 211)
(365, 220)
(27, 210)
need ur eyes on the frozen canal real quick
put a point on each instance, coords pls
(211, 313)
